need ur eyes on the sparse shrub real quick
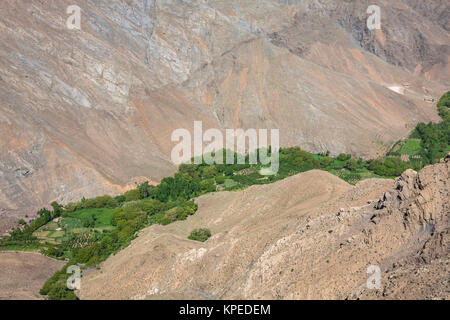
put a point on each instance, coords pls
(343, 157)
(351, 165)
(220, 179)
(144, 190)
(121, 199)
(132, 195)
(200, 234)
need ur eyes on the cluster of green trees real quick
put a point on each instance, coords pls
(56, 287)
(128, 219)
(201, 235)
(24, 235)
(98, 202)
(193, 180)
(390, 166)
(435, 137)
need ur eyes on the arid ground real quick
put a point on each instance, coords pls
(311, 236)
(22, 274)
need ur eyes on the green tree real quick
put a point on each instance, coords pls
(209, 172)
(351, 165)
(325, 162)
(201, 235)
(343, 157)
(144, 190)
(132, 195)
(220, 179)
(57, 209)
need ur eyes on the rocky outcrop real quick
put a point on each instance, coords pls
(415, 196)
(422, 199)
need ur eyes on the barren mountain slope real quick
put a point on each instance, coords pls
(292, 240)
(22, 274)
(413, 35)
(84, 113)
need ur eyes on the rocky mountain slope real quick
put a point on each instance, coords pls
(84, 113)
(311, 236)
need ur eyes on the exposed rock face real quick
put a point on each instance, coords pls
(84, 112)
(405, 39)
(415, 197)
(423, 201)
(311, 236)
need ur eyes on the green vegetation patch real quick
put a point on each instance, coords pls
(94, 217)
(71, 223)
(410, 147)
(201, 235)
(430, 142)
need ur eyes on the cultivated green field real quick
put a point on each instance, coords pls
(75, 223)
(410, 147)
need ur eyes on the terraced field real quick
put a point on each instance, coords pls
(75, 223)
(410, 147)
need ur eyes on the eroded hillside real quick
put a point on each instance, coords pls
(22, 274)
(311, 236)
(84, 113)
